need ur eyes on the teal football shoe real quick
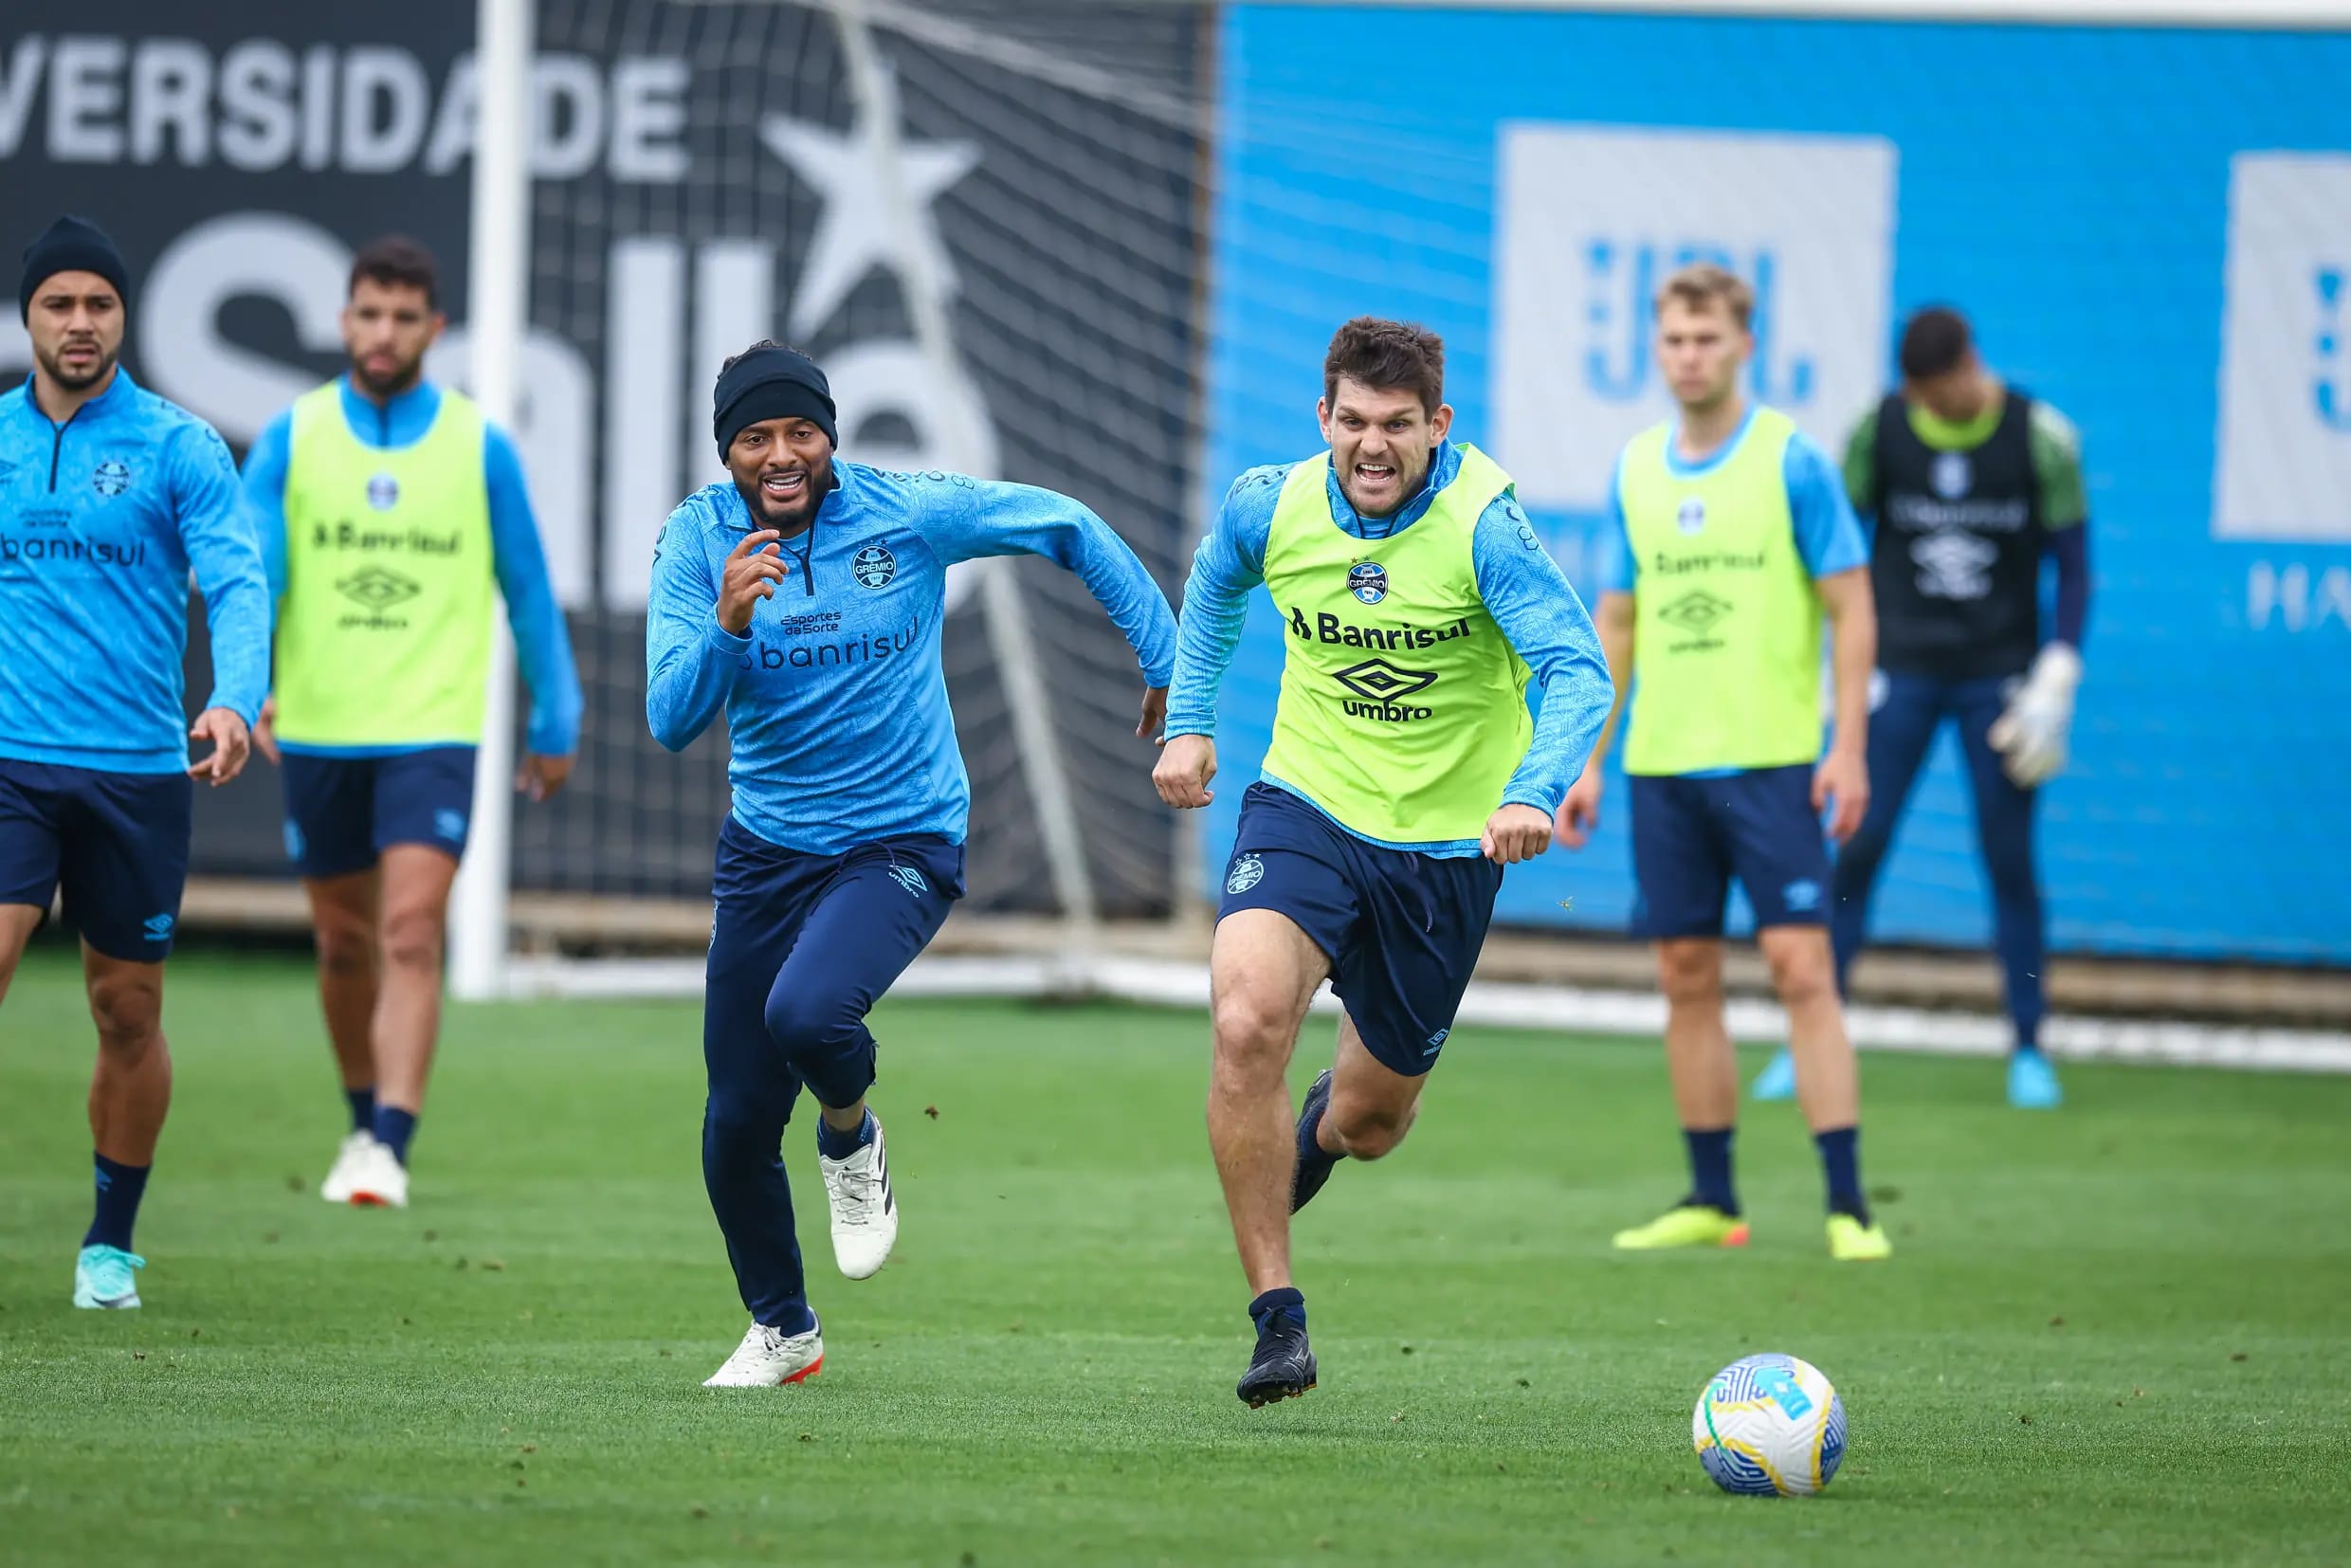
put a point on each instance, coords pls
(103, 1278)
(1778, 1078)
(2032, 1083)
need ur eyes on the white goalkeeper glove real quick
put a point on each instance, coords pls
(2030, 733)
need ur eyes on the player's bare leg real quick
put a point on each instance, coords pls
(1828, 1080)
(130, 1094)
(18, 922)
(1828, 1083)
(412, 937)
(1698, 1046)
(1371, 1105)
(342, 923)
(1704, 1073)
(1263, 972)
(1359, 1108)
(131, 1088)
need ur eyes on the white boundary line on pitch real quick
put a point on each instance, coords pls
(1164, 983)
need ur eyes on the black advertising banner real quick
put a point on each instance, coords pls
(703, 175)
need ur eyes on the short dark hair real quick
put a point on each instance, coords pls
(728, 363)
(396, 260)
(1935, 344)
(1385, 355)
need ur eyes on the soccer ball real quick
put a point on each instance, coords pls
(1769, 1426)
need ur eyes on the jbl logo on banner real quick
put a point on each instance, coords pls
(1591, 219)
(2282, 471)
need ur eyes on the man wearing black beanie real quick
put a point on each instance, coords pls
(109, 495)
(804, 599)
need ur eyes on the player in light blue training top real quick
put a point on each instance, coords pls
(804, 599)
(109, 497)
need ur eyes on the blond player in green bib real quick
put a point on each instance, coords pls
(392, 518)
(1417, 607)
(1733, 537)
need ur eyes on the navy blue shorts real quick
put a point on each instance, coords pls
(1402, 930)
(343, 813)
(118, 843)
(1691, 837)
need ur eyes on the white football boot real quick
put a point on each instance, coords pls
(865, 1212)
(768, 1357)
(380, 1180)
(348, 1161)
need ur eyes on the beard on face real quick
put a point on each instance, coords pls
(403, 375)
(786, 517)
(74, 381)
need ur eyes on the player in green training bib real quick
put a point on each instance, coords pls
(1732, 537)
(393, 516)
(1417, 606)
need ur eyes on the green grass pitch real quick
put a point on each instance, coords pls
(2117, 1333)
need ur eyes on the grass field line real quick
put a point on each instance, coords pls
(1491, 1004)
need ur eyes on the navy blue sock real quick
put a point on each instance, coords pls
(1286, 1298)
(394, 1128)
(362, 1108)
(1710, 1167)
(119, 1188)
(1840, 1161)
(836, 1145)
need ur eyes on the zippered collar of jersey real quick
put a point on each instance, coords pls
(1443, 465)
(802, 545)
(118, 387)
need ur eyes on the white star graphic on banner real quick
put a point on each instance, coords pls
(856, 233)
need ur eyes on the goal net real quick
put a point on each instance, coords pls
(985, 225)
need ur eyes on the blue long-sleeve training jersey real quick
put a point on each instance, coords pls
(101, 518)
(543, 646)
(835, 701)
(1531, 603)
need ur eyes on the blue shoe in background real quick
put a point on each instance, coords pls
(2032, 1083)
(1778, 1080)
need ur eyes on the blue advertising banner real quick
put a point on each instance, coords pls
(2150, 229)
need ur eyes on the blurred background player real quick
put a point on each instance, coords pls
(1731, 535)
(804, 598)
(1972, 484)
(389, 511)
(109, 495)
(1404, 774)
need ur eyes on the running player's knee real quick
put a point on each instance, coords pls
(1367, 1132)
(740, 1129)
(129, 1014)
(413, 940)
(1252, 1035)
(800, 1020)
(1690, 972)
(1802, 970)
(345, 949)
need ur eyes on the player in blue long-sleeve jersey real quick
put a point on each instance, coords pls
(390, 512)
(804, 598)
(109, 498)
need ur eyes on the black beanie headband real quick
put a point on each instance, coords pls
(770, 382)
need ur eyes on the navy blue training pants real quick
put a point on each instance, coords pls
(801, 946)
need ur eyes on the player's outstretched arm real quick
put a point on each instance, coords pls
(697, 627)
(543, 641)
(1008, 519)
(217, 533)
(1547, 624)
(1230, 563)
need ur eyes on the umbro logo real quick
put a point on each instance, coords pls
(1697, 610)
(1378, 681)
(158, 927)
